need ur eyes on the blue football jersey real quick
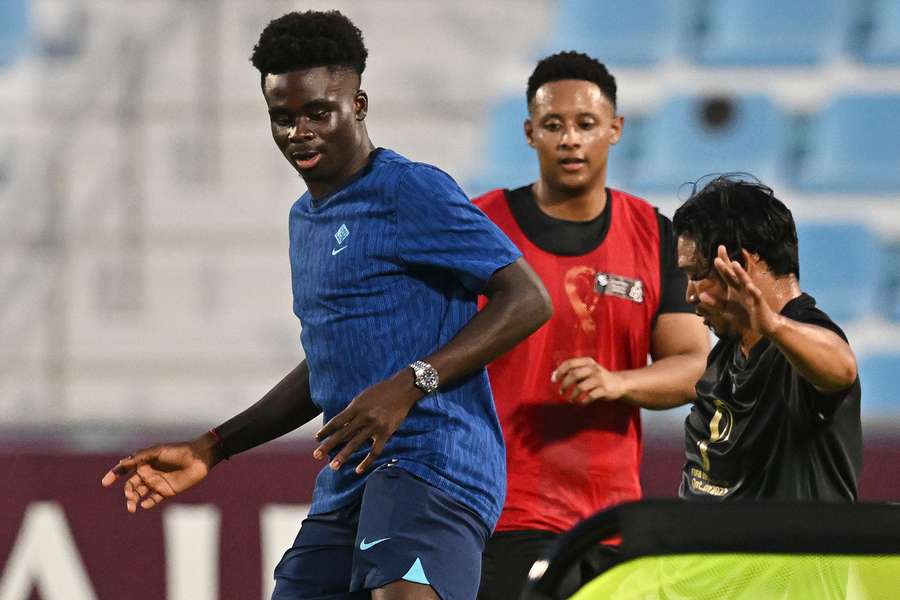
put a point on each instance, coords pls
(385, 271)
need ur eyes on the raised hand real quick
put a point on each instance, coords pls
(373, 416)
(159, 472)
(583, 380)
(744, 300)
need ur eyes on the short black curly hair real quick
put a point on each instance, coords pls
(572, 65)
(303, 40)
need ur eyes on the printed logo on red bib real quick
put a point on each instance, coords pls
(619, 286)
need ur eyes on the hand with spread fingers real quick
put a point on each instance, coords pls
(582, 381)
(744, 300)
(372, 417)
(159, 472)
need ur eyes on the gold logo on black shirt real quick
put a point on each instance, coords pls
(700, 482)
(720, 426)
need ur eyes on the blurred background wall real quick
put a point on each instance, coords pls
(144, 281)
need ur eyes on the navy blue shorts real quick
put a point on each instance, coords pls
(402, 528)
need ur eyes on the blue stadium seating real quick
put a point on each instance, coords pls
(889, 305)
(509, 160)
(773, 32)
(691, 136)
(841, 265)
(852, 146)
(880, 388)
(622, 155)
(68, 37)
(634, 32)
(14, 30)
(882, 44)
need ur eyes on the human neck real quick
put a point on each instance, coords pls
(581, 205)
(777, 292)
(357, 161)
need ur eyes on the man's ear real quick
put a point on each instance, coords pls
(529, 132)
(361, 105)
(753, 264)
(616, 126)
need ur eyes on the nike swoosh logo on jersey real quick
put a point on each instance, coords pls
(336, 250)
(363, 545)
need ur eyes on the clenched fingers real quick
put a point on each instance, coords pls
(577, 375)
(573, 363)
(588, 390)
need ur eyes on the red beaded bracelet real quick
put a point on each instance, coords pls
(219, 442)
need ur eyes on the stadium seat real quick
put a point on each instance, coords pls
(622, 155)
(14, 30)
(773, 32)
(851, 146)
(508, 160)
(882, 44)
(632, 33)
(62, 30)
(691, 136)
(841, 267)
(878, 376)
(890, 306)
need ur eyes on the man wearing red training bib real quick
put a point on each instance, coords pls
(569, 397)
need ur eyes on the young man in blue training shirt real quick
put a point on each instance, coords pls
(387, 258)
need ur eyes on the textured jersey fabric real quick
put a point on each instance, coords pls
(760, 431)
(385, 271)
(567, 461)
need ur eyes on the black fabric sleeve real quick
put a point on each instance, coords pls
(804, 310)
(284, 408)
(673, 283)
(820, 405)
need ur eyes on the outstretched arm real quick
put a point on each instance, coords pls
(679, 346)
(820, 356)
(517, 305)
(159, 472)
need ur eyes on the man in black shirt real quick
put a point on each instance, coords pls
(777, 414)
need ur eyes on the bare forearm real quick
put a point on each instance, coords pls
(284, 408)
(518, 305)
(819, 355)
(666, 383)
(679, 346)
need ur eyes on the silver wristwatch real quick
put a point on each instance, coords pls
(426, 376)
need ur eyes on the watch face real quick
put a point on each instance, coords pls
(430, 379)
(426, 378)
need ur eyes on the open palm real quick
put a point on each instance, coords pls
(744, 300)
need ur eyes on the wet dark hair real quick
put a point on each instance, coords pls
(737, 211)
(571, 65)
(303, 40)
